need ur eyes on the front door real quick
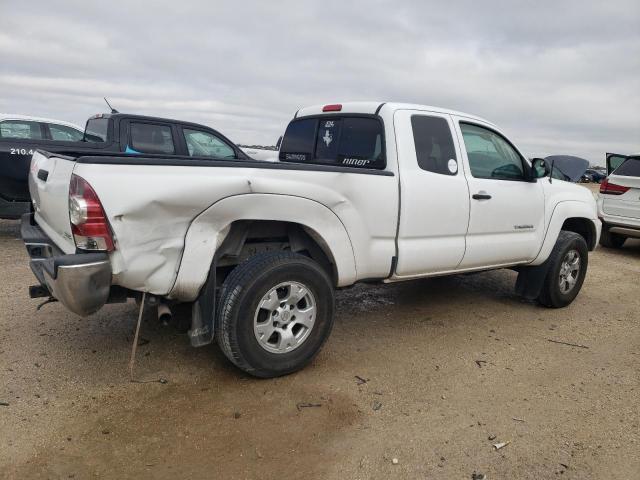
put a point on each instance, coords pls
(434, 211)
(506, 222)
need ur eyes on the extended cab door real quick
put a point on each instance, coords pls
(434, 211)
(507, 217)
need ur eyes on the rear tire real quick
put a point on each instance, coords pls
(567, 268)
(611, 240)
(257, 328)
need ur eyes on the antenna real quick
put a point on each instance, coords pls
(113, 110)
(551, 172)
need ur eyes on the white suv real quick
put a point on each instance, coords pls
(619, 200)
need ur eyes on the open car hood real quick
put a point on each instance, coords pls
(571, 167)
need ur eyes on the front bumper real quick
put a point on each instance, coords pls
(81, 282)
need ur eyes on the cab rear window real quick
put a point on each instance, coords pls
(335, 140)
(97, 130)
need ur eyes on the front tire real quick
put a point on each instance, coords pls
(275, 313)
(611, 240)
(567, 268)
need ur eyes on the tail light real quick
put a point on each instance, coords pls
(612, 188)
(89, 225)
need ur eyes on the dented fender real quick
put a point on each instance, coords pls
(207, 232)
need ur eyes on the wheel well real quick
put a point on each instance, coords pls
(584, 227)
(248, 237)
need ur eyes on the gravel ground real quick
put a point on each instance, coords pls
(431, 373)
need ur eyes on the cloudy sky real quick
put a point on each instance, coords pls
(558, 76)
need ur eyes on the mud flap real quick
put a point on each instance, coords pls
(530, 280)
(204, 312)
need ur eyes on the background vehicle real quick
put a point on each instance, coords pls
(19, 137)
(593, 175)
(619, 200)
(104, 133)
(363, 192)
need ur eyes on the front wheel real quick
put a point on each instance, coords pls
(276, 312)
(567, 268)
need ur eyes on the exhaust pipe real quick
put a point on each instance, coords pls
(164, 314)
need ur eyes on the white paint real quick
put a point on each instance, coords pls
(168, 220)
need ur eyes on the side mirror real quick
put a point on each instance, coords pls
(540, 168)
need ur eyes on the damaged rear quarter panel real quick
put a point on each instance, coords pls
(151, 209)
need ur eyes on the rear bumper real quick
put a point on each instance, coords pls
(81, 282)
(630, 223)
(13, 210)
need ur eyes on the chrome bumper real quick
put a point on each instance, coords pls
(81, 282)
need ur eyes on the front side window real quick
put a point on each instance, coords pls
(152, 138)
(490, 155)
(64, 133)
(335, 140)
(434, 145)
(205, 144)
(20, 129)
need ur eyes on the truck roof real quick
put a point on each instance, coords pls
(133, 116)
(28, 118)
(375, 107)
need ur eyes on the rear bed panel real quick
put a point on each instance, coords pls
(151, 205)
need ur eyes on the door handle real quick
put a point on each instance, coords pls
(43, 175)
(481, 196)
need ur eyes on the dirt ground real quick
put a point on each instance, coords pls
(431, 373)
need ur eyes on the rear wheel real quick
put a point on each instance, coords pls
(611, 240)
(276, 312)
(567, 268)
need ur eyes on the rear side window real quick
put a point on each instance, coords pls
(97, 130)
(434, 145)
(64, 133)
(335, 140)
(630, 168)
(152, 138)
(20, 129)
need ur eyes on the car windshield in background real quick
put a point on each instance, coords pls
(335, 140)
(97, 130)
(630, 168)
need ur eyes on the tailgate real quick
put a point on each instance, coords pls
(49, 179)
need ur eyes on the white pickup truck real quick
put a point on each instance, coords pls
(380, 192)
